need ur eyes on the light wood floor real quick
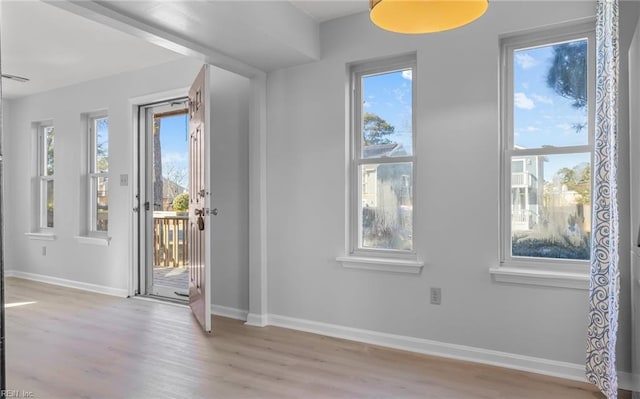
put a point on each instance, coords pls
(74, 344)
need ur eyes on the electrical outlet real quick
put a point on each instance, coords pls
(124, 180)
(44, 251)
(436, 296)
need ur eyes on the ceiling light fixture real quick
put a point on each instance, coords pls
(16, 78)
(425, 16)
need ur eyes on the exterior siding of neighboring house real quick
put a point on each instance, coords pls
(372, 187)
(386, 195)
(527, 190)
(530, 194)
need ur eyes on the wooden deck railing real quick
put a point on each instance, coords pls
(170, 244)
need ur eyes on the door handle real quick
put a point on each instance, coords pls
(200, 223)
(200, 212)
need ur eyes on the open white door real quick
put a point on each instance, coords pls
(199, 239)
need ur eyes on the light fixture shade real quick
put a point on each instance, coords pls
(425, 16)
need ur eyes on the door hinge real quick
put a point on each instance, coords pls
(146, 205)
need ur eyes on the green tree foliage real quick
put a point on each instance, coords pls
(577, 179)
(375, 130)
(50, 138)
(567, 75)
(181, 202)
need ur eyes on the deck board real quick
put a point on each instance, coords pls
(174, 277)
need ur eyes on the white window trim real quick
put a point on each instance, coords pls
(42, 204)
(381, 264)
(94, 236)
(41, 236)
(375, 259)
(97, 241)
(538, 271)
(40, 231)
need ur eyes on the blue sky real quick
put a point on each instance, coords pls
(389, 96)
(541, 116)
(175, 146)
(102, 142)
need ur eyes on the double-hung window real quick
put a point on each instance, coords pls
(547, 148)
(98, 174)
(383, 161)
(45, 164)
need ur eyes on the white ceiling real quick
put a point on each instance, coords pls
(325, 10)
(55, 48)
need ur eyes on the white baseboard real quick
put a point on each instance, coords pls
(630, 382)
(531, 364)
(231, 313)
(257, 320)
(100, 289)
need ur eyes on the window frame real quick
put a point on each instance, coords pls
(93, 176)
(44, 177)
(570, 273)
(376, 258)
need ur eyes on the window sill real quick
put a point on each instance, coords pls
(548, 278)
(98, 241)
(381, 264)
(41, 236)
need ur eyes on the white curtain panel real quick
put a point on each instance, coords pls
(605, 276)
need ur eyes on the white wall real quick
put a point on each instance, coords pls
(457, 201)
(109, 267)
(629, 11)
(634, 153)
(230, 191)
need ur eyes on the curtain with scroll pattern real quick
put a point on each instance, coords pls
(605, 277)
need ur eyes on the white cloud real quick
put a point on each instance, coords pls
(542, 99)
(525, 61)
(565, 126)
(174, 157)
(408, 74)
(400, 95)
(528, 129)
(523, 102)
(525, 85)
(366, 104)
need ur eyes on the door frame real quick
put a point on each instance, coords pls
(147, 232)
(137, 249)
